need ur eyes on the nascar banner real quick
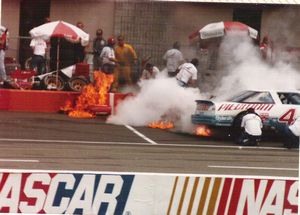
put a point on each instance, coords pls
(141, 193)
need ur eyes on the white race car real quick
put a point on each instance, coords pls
(276, 108)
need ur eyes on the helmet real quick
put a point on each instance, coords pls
(111, 41)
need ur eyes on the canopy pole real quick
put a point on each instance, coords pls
(57, 61)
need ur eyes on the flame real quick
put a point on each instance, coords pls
(67, 107)
(161, 125)
(203, 130)
(92, 95)
(81, 114)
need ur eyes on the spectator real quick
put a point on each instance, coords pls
(173, 58)
(79, 50)
(126, 57)
(149, 72)
(251, 128)
(98, 45)
(292, 134)
(39, 47)
(188, 73)
(3, 47)
(107, 56)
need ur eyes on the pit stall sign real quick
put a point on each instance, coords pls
(63, 192)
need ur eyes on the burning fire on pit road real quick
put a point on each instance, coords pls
(94, 94)
(203, 130)
(161, 125)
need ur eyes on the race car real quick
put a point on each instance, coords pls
(276, 108)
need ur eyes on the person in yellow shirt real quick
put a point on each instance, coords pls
(126, 57)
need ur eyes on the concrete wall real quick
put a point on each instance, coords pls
(10, 19)
(93, 14)
(282, 24)
(180, 20)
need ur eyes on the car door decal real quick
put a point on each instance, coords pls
(288, 117)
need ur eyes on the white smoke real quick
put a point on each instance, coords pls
(160, 98)
(242, 68)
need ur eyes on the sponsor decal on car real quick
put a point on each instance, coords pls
(229, 107)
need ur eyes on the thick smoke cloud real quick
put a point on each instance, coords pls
(158, 99)
(240, 67)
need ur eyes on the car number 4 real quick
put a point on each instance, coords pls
(288, 117)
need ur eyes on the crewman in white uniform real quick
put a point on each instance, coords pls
(188, 73)
(252, 128)
(173, 58)
(108, 57)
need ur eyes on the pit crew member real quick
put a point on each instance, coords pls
(292, 134)
(251, 128)
(187, 75)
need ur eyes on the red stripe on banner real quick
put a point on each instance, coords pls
(238, 183)
(224, 196)
(3, 180)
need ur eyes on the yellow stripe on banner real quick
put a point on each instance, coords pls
(214, 195)
(193, 196)
(186, 181)
(172, 196)
(203, 195)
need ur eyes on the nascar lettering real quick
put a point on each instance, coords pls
(63, 193)
(216, 195)
(147, 194)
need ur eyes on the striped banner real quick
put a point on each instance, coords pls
(216, 195)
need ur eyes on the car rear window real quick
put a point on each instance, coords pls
(254, 97)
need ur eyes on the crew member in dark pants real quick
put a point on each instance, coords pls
(292, 134)
(251, 128)
(79, 50)
(98, 45)
(39, 47)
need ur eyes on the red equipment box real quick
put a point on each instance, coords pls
(22, 79)
(22, 74)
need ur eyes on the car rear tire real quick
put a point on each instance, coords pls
(236, 129)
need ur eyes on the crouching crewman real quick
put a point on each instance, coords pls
(252, 128)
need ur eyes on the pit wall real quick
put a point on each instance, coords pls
(58, 192)
(45, 101)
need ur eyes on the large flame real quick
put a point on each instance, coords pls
(161, 125)
(203, 130)
(93, 94)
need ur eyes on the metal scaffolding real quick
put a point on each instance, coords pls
(145, 26)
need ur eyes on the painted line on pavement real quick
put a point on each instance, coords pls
(254, 167)
(143, 144)
(18, 160)
(140, 134)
